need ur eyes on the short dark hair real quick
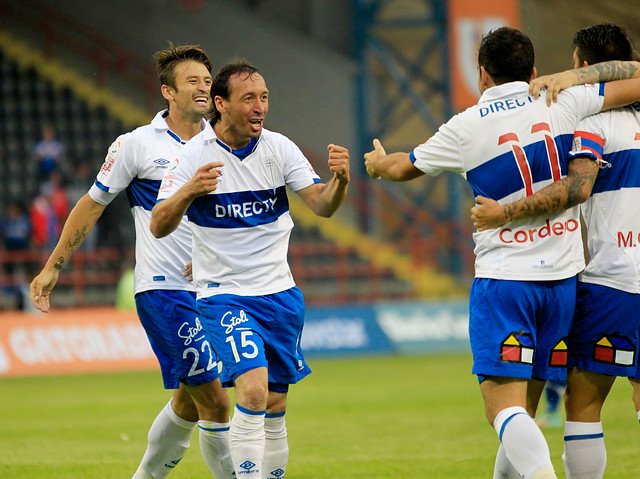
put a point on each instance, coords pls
(507, 55)
(167, 59)
(603, 42)
(220, 85)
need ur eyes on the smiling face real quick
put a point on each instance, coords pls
(190, 98)
(243, 113)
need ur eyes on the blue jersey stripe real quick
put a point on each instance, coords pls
(143, 193)
(483, 177)
(624, 172)
(241, 209)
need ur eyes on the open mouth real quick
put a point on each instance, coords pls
(202, 100)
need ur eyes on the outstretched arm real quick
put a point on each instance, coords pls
(574, 189)
(394, 167)
(596, 73)
(79, 224)
(167, 214)
(325, 199)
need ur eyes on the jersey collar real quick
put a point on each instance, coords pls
(505, 90)
(159, 122)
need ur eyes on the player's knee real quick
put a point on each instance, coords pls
(253, 396)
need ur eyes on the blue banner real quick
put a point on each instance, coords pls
(421, 327)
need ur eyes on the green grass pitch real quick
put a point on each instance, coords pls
(374, 418)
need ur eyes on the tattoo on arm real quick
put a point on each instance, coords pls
(546, 201)
(559, 196)
(78, 237)
(59, 264)
(606, 71)
(74, 242)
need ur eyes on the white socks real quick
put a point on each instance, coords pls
(276, 449)
(246, 442)
(214, 444)
(524, 444)
(169, 439)
(585, 456)
(503, 469)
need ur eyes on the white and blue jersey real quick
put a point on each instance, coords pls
(613, 224)
(241, 231)
(136, 162)
(165, 299)
(605, 336)
(509, 146)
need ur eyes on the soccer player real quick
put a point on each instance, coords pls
(165, 299)
(603, 173)
(523, 295)
(230, 181)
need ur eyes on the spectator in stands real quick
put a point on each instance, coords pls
(165, 299)
(59, 199)
(44, 221)
(15, 229)
(48, 152)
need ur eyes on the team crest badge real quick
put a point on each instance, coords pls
(613, 349)
(559, 354)
(517, 348)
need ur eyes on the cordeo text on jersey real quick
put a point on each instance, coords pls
(246, 209)
(530, 235)
(504, 105)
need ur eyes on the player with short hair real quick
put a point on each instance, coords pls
(604, 174)
(231, 182)
(523, 295)
(165, 299)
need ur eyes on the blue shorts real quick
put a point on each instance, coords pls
(519, 329)
(177, 337)
(254, 331)
(605, 334)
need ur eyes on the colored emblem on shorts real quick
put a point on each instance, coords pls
(613, 349)
(517, 348)
(559, 354)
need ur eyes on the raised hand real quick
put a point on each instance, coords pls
(339, 162)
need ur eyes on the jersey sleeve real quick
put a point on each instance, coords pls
(441, 152)
(589, 140)
(178, 173)
(582, 101)
(299, 173)
(118, 170)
